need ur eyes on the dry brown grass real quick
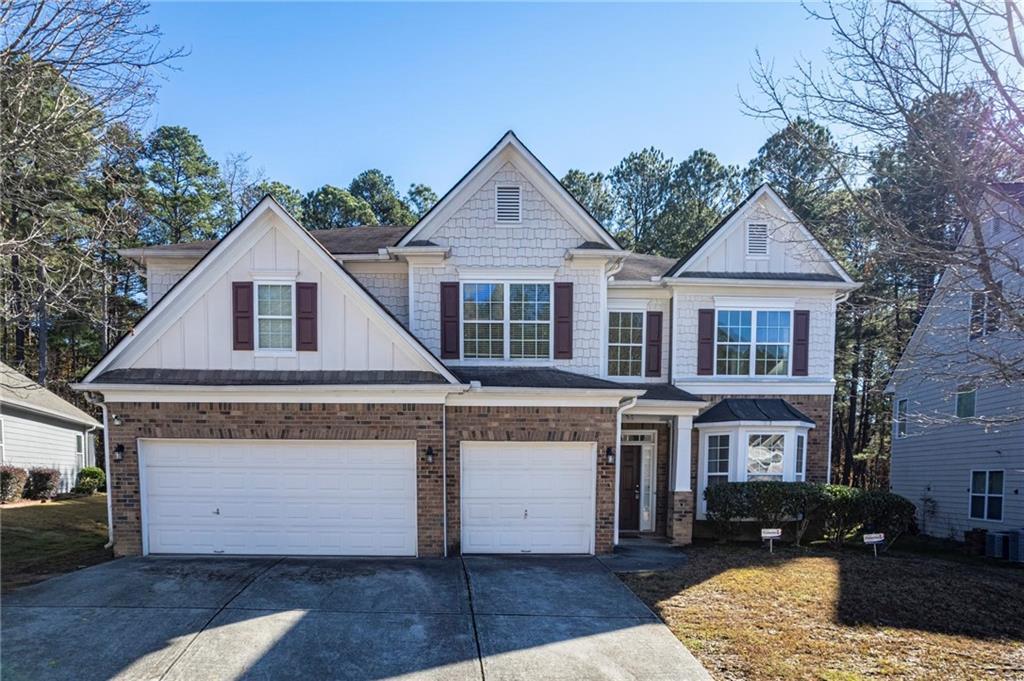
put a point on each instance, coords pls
(802, 614)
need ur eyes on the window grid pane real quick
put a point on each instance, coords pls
(275, 334)
(275, 300)
(987, 495)
(733, 333)
(625, 343)
(764, 457)
(718, 456)
(274, 317)
(483, 314)
(530, 314)
(772, 352)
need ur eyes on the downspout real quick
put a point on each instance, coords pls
(618, 452)
(106, 463)
(444, 475)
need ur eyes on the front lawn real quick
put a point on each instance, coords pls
(40, 540)
(815, 614)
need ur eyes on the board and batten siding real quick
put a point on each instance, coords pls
(351, 334)
(32, 440)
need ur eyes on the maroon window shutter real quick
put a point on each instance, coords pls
(705, 342)
(305, 316)
(241, 314)
(449, 320)
(563, 320)
(653, 344)
(801, 341)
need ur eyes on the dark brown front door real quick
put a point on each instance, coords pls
(629, 489)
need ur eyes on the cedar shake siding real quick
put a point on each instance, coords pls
(177, 420)
(534, 424)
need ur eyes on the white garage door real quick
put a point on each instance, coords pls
(528, 497)
(279, 497)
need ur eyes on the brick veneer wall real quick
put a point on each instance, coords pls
(535, 424)
(420, 422)
(664, 448)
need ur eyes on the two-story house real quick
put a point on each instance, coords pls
(502, 377)
(958, 402)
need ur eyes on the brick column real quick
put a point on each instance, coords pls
(680, 520)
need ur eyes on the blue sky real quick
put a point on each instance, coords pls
(319, 92)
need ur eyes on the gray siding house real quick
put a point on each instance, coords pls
(958, 402)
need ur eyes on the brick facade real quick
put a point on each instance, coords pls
(420, 422)
(535, 424)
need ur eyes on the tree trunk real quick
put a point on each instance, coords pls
(851, 406)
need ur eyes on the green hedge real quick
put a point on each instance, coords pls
(90, 479)
(840, 510)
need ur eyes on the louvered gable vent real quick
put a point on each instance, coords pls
(508, 203)
(757, 239)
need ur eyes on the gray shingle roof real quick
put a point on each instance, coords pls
(253, 377)
(21, 391)
(547, 377)
(341, 241)
(752, 409)
(663, 391)
(641, 267)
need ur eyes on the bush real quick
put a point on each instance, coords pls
(806, 503)
(91, 473)
(770, 502)
(842, 512)
(887, 512)
(727, 506)
(43, 483)
(12, 483)
(86, 486)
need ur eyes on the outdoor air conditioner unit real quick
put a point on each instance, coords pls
(997, 545)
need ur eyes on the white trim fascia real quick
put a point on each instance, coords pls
(418, 250)
(725, 425)
(541, 397)
(142, 255)
(592, 254)
(188, 288)
(754, 303)
(419, 394)
(703, 385)
(654, 289)
(27, 406)
(665, 408)
(788, 284)
(509, 149)
(497, 275)
(381, 255)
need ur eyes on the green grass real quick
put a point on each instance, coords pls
(41, 540)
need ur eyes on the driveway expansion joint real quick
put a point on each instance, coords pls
(472, 617)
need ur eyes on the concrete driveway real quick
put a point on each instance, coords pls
(194, 618)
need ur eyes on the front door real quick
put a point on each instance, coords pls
(629, 489)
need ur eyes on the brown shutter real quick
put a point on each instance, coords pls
(653, 344)
(305, 316)
(801, 341)
(241, 314)
(705, 342)
(449, 320)
(563, 320)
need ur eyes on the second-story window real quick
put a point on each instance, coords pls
(275, 320)
(966, 397)
(985, 314)
(503, 320)
(625, 343)
(753, 342)
(901, 418)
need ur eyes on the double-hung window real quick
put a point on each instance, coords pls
(966, 398)
(718, 459)
(765, 455)
(625, 343)
(502, 320)
(753, 342)
(801, 458)
(275, 317)
(987, 495)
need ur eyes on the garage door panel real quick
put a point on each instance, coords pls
(534, 497)
(309, 498)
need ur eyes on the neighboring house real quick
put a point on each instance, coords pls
(502, 377)
(39, 429)
(958, 430)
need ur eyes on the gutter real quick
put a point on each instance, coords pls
(618, 452)
(106, 463)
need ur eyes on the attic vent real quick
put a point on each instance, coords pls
(757, 239)
(508, 203)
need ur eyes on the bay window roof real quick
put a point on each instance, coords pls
(754, 410)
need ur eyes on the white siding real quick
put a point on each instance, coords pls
(31, 442)
(389, 284)
(540, 240)
(161, 275)
(351, 334)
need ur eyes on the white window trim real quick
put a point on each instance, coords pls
(753, 342)
(800, 473)
(986, 495)
(767, 241)
(3, 442)
(626, 309)
(986, 305)
(956, 402)
(256, 316)
(508, 185)
(896, 418)
(507, 322)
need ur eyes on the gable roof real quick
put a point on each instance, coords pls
(234, 236)
(21, 391)
(727, 222)
(543, 180)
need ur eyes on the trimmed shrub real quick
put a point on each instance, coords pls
(12, 483)
(886, 512)
(727, 506)
(806, 503)
(842, 512)
(86, 486)
(93, 473)
(770, 502)
(43, 483)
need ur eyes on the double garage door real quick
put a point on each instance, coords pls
(285, 497)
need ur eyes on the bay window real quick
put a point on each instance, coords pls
(753, 342)
(625, 343)
(502, 320)
(718, 459)
(765, 454)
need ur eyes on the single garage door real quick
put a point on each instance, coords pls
(528, 497)
(307, 497)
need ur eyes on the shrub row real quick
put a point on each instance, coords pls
(838, 509)
(43, 483)
(12, 483)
